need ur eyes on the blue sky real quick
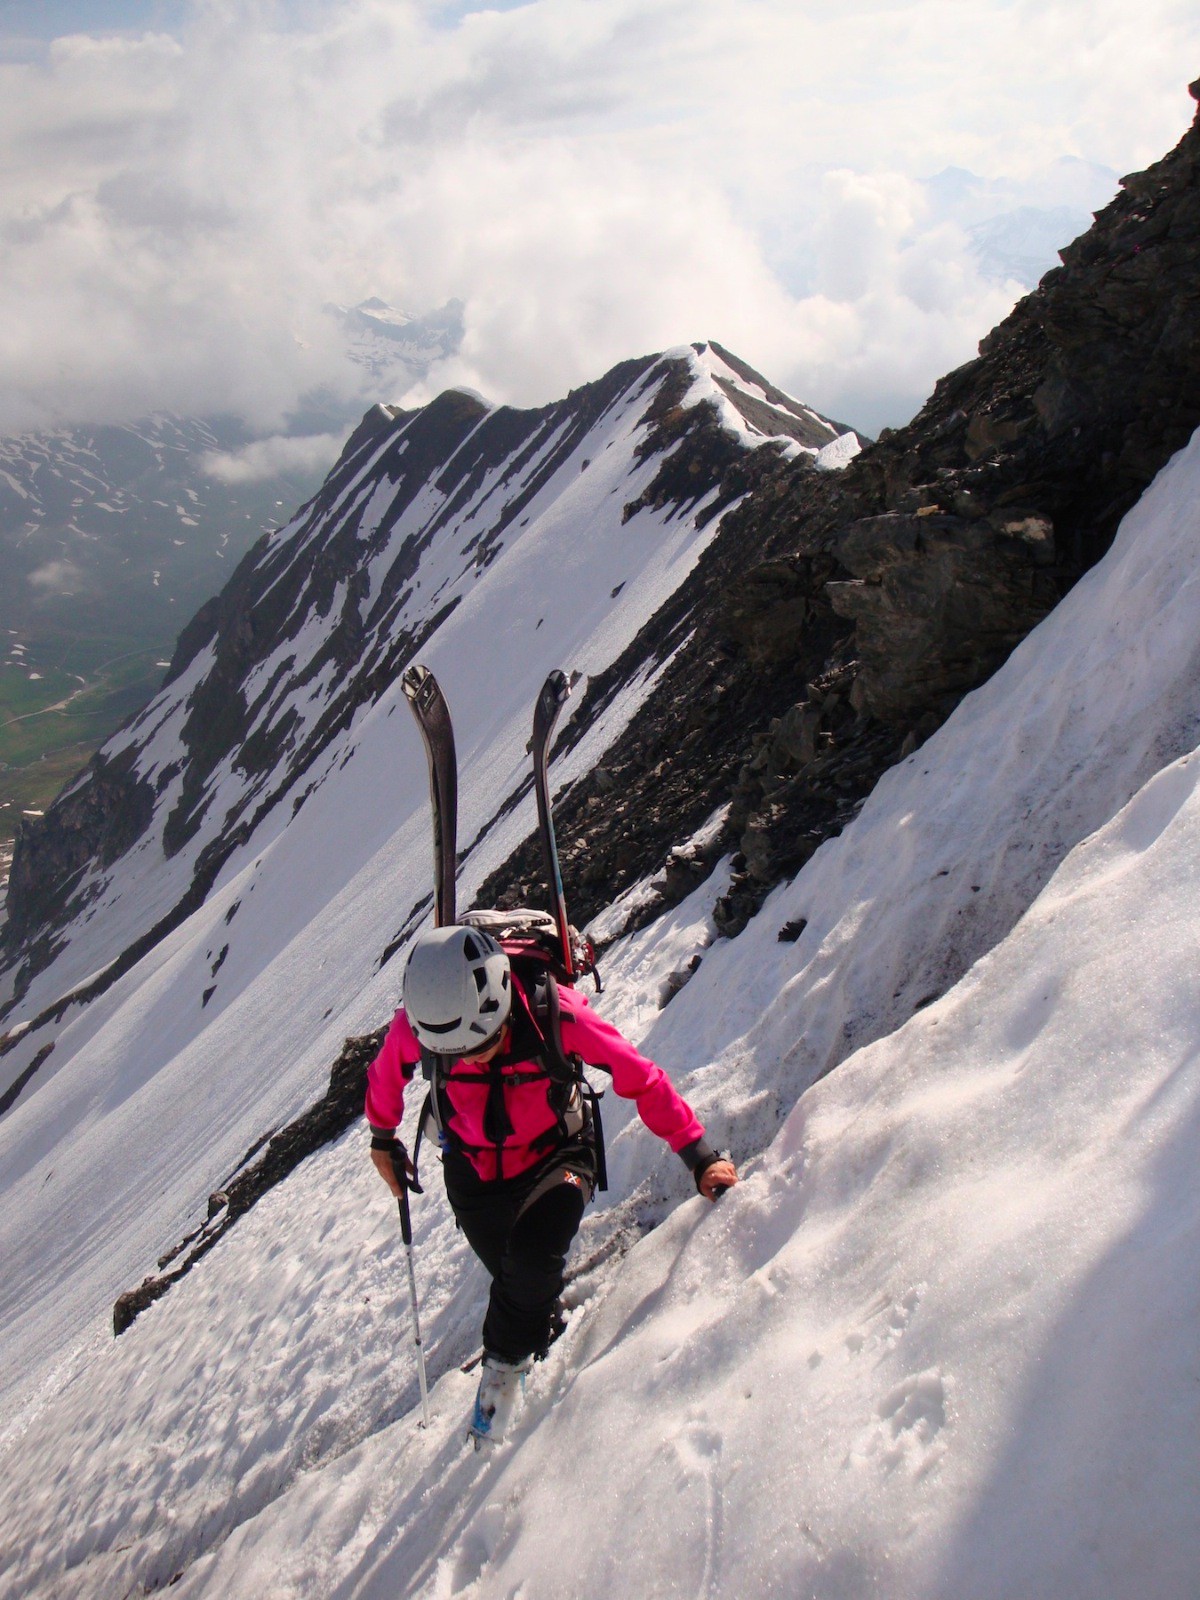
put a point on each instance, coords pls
(185, 186)
(46, 19)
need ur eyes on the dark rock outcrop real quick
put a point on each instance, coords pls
(96, 820)
(937, 602)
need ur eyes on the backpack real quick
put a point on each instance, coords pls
(530, 939)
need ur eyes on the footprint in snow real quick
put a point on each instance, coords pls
(908, 1426)
(884, 1322)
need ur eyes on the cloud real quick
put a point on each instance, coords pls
(592, 178)
(268, 458)
(57, 577)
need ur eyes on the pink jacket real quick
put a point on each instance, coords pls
(660, 1106)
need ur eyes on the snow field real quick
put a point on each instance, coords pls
(939, 1343)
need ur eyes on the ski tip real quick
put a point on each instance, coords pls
(557, 687)
(411, 680)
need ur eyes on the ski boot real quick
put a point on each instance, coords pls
(500, 1388)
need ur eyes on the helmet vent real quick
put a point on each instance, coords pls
(441, 1027)
(471, 950)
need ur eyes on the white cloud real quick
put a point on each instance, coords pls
(267, 458)
(56, 577)
(593, 178)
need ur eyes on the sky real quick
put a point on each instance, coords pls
(187, 185)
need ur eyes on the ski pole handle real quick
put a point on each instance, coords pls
(405, 1217)
(404, 1172)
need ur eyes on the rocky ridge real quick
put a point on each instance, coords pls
(874, 599)
(320, 619)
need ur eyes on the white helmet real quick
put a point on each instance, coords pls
(457, 990)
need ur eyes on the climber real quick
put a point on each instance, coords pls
(515, 1120)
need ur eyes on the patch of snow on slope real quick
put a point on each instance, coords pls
(908, 1354)
(839, 453)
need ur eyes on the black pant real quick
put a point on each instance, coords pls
(521, 1229)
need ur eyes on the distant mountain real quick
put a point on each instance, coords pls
(150, 517)
(123, 525)
(269, 678)
(111, 535)
(1018, 226)
(393, 344)
(1022, 245)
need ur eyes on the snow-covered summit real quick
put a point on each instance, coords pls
(755, 409)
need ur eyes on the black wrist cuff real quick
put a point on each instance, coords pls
(698, 1155)
(383, 1141)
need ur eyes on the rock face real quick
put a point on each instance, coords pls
(836, 622)
(934, 599)
(100, 816)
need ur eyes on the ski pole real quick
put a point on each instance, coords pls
(406, 1235)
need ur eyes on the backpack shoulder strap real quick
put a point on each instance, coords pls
(430, 1065)
(546, 1008)
(571, 1067)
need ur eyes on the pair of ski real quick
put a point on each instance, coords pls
(432, 713)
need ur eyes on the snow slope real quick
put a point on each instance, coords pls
(228, 1026)
(939, 1342)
